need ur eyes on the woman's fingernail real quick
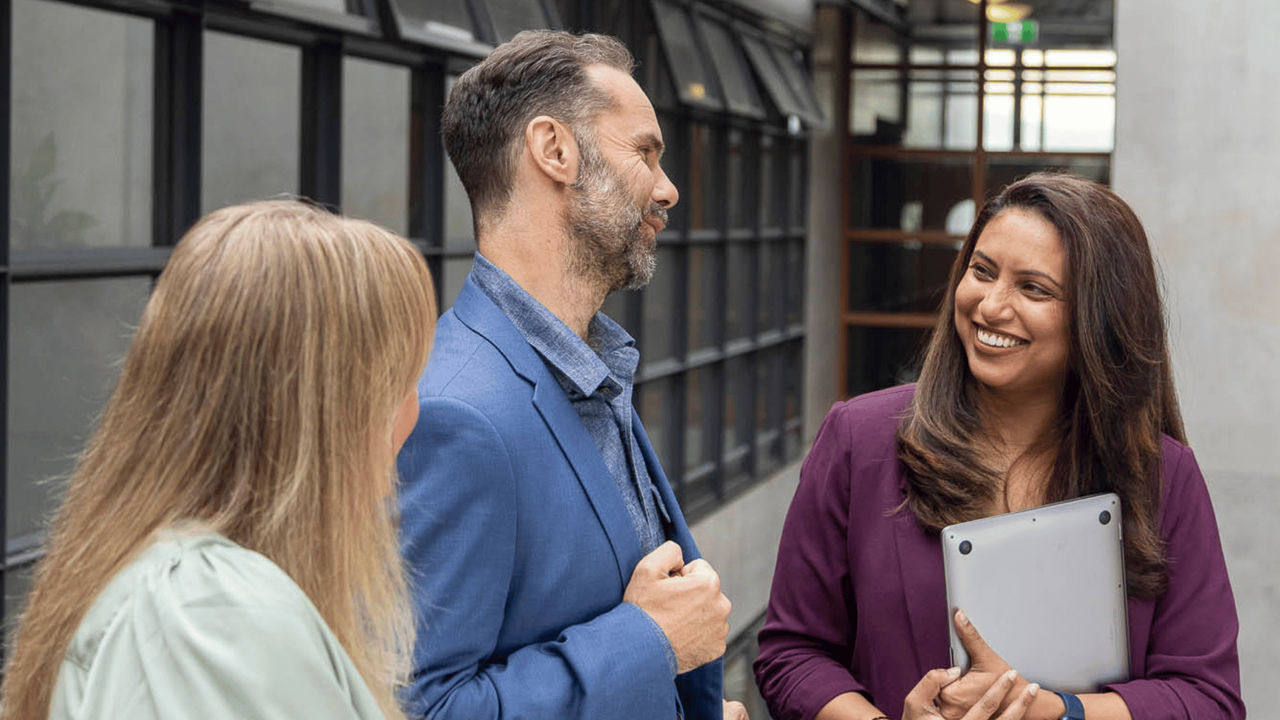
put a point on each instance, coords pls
(964, 619)
(953, 671)
(1032, 689)
(1011, 674)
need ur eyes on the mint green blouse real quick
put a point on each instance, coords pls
(199, 627)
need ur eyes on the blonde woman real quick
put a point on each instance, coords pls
(225, 548)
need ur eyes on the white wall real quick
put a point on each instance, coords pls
(1198, 157)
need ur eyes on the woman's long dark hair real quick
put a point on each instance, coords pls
(1118, 396)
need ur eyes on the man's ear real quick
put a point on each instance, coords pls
(553, 148)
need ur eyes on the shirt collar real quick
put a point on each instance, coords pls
(578, 367)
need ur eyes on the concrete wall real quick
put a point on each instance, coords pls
(1198, 156)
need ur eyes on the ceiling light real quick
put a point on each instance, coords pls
(1009, 12)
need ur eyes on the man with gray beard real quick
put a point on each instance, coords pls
(554, 575)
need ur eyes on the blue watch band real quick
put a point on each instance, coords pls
(1075, 709)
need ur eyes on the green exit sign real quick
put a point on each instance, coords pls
(1027, 31)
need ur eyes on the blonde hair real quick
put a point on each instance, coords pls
(257, 399)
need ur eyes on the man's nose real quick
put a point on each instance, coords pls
(664, 191)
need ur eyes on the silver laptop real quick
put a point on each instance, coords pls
(1045, 587)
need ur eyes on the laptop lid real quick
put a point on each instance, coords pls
(1046, 589)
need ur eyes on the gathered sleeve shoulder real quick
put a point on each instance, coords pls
(201, 628)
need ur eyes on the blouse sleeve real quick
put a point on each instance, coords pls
(1192, 665)
(265, 656)
(806, 642)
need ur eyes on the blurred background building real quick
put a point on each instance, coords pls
(830, 155)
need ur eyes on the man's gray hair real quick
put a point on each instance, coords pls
(538, 72)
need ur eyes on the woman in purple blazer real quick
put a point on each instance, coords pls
(1046, 378)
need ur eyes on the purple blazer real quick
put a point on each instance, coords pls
(859, 601)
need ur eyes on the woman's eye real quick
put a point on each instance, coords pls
(1036, 290)
(980, 271)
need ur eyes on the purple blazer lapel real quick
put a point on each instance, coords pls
(924, 591)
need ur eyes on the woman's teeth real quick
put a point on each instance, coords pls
(1000, 341)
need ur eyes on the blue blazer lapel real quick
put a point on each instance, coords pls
(477, 311)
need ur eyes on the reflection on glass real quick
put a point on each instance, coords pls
(882, 357)
(693, 77)
(773, 269)
(72, 334)
(1003, 170)
(792, 388)
(511, 16)
(81, 127)
(696, 385)
(908, 195)
(795, 283)
(737, 403)
(942, 108)
(775, 82)
(375, 142)
(252, 101)
(338, 6)
(741, 289)
(898, 277)
(739, 89)
(739, 180)
(875, 42)
(653, 410)
(768, 425)
(445, 17)
(773, 181)
(705, 272)
(657, 308)
(704, 198)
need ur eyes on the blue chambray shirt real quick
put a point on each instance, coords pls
(598, 379)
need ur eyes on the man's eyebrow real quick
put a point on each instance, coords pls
(1036, 273)
(653, 140)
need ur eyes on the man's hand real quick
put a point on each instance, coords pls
(985, 669)
(685, 601)
(735, 711)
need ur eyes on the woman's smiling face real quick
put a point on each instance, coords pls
(1010, 307)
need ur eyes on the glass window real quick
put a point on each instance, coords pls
(252, 103)
(773, 273)
(337, 6)
(1002, 170)
(740, 91)
(658, 307)
(908, 194)
(875, 42)
(879, 357)
(81, 127)
(449, 18)
(905, 277)
(375, 142)
(741, 180)
(741, 289)
(767, 430)
(792, 389)
(941, 108)
(654, 408)
(511, 16)
(943, 28)
(694, 80)
(795, 282)
(17, 583)
(66, 339)
(705, 303)
(697, 389)
(773, 182)
(771, 76)
(791, 63)
(704, 208)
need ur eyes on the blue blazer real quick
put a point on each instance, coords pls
(519, 546)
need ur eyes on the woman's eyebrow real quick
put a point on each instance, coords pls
(987, 259)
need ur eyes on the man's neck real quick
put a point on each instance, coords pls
(535, 260)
